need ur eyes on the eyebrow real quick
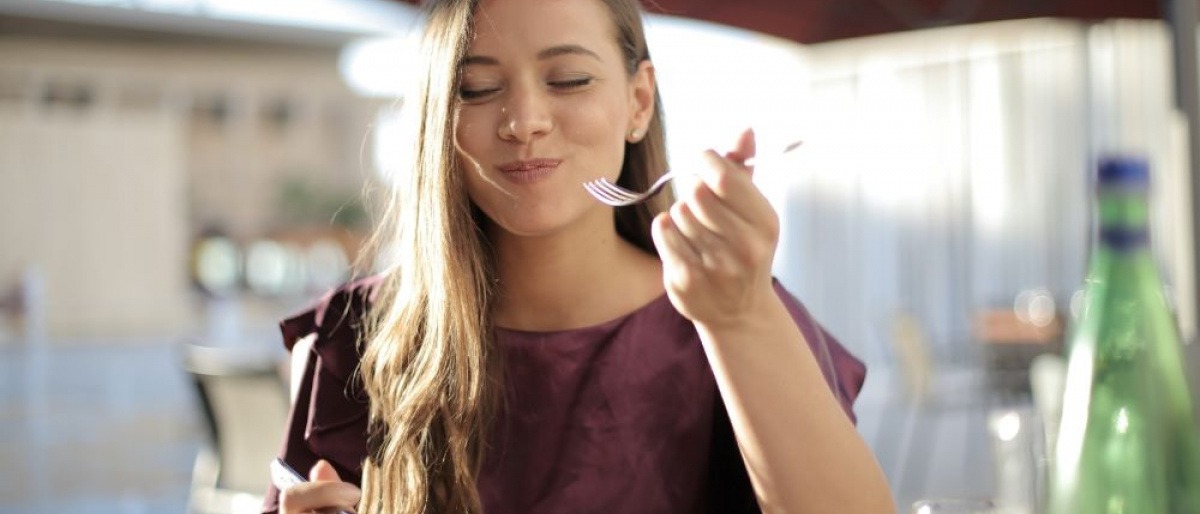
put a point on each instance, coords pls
(554, 51)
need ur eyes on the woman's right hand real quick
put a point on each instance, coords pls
(324, 493)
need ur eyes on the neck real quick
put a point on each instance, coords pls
(572, 279)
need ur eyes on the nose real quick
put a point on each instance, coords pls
(525, 116)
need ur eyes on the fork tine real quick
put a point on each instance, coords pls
(599, 192)
(606, 193)
(616, 191)
(623, 195)
(613, 195)
(618, 196)
(611, 191)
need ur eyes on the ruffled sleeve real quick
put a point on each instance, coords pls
(844, 373)
(328, 419)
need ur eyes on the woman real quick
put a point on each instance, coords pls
(536, 351)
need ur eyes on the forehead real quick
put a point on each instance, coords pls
(517, 25)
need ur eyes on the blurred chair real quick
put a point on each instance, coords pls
(244, 402)
(935, 399)
(931, 381)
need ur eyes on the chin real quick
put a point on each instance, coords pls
(533, 224)
(547, 217)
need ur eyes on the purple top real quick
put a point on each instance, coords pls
(624, 416)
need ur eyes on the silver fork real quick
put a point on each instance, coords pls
(617, 196)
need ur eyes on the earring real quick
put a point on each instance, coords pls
(634, 135)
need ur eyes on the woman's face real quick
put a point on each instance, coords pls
(547, 104)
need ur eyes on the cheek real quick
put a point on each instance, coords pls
(475, 127)
(473, 144)
(481, 194)
(595, 121)
(469, 132)
(601, 128)
(472, 177)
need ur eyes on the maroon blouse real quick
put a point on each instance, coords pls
(620, 417)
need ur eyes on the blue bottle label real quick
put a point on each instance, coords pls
(1124, 238)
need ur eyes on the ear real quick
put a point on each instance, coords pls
(641, 97)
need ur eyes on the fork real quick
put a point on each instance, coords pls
(617, 196)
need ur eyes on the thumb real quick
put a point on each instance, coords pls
(323, 472)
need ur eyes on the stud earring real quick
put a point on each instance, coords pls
(634, 135)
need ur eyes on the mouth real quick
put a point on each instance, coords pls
(528, 171)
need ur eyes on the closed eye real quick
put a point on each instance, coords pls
(476, 94)
(571, 83)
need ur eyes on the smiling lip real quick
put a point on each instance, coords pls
(530, 171)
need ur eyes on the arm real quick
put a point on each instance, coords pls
(800, 449)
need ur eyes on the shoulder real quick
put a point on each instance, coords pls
(336, 323)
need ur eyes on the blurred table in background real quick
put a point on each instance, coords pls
(1011, 342)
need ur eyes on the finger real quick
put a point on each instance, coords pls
(323, 471)
(715, 252)
(715, 215)
(674, 250)
(735, 188)
(319, 496)
(701, 239)
(744, 149)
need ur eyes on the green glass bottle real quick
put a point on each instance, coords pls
(1127, 443)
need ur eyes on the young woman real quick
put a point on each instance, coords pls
(533, 350)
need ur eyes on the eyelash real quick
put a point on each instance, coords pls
(572, 83)
(469, 94)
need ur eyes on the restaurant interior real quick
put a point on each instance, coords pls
(177, 176)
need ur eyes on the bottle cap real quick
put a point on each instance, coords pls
(1124, 171)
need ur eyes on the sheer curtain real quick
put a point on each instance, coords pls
(944, 172)
(947, 170)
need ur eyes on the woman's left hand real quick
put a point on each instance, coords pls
(717, 242)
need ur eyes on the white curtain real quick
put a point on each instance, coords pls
(943, 172)
(947, 170)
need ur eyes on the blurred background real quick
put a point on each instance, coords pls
(178, 175)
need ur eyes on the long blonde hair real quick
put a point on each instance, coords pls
(428, 366)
